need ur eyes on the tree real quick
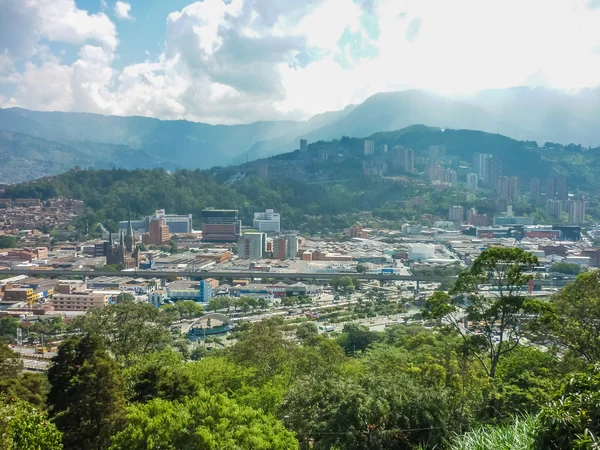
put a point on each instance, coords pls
(86, 398)
(203, 422)
(496, 311)
(125, 297)
(8, 241)
(356, 338)
(344, 285)
(128, 328)
(566, 268)
(361, 268)
(8, 328)
(572, 419)
(574, 320)
(307, 330)
(22, 427)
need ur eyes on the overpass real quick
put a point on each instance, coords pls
(251, 274)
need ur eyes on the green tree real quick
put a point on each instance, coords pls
(125, 297)
(566, 268)
(356, 338)
(361, 268)
(8, 241)
(86, 399)
(8, 328)
(573, 322)
(128, 328)
(203, 422)
(497, 310)
(572, 419)
(306, 331)
(24, 427)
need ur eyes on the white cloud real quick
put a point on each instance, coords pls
(122, 10)
(243, 60)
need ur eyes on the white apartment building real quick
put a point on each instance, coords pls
(267, 222)
(252, 246)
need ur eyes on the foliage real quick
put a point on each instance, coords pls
(8, 328)
(356, 338)
(8, 241)
(496, 312)
(24, 427)
(575, 315)
(566, 268)
(86, 398)
(127, 328)
(205, 421)
(518, 435)
(572, 419)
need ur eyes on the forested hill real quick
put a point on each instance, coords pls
(327, 181)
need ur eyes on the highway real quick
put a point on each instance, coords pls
(301, 276)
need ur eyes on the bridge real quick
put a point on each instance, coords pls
(250, 274)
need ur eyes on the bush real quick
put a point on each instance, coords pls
(517, 436)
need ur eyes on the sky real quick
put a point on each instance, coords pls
(239, 61)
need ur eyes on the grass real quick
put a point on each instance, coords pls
(516, 436)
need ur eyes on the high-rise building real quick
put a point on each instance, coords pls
(480, 164)
(576, 212)
(267, 222)
(493, 170)
(450, 176)
(555, 207)
(436, 172)
(456, 214)
(252, 245)
(369, 147)
(158, 233)
(384, 148)
(408, 160)
(220, 225)
(472, 180)
(303, 145)
(507, 188)
(556, 188)
(535, 190)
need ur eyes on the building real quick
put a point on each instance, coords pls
(220, 225)
(175, 222)
(456, 214)
(81, 300)
(267, 222)
(472, 181)
(19, 294)
(123, 254)
(450, 176)
(303, 145)
(369, 147)
(178, 223)
(158, 233)
(502, 220)
(477, 220)
(493, 170)
(357, 232)
(556, 188)
(556, 207)
(576, 210)
(252, 245)
(421, 252)
(535, 192)
(507, 188)
(201, 291)
(285, 247)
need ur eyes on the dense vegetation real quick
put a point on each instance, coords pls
(124, 381)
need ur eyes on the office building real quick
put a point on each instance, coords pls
(556, 188)
(175, 222)
(535, 192)
(201, 291)
(252, 245)
(472, 181)
(220, 225)
(158, 233)
(138, 226)
(178, 223)
(576, 212)
(80, 300)
(369, 147)
(303, 145)
(267, 222)
(456, 214)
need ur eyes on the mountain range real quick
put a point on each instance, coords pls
(36, 143)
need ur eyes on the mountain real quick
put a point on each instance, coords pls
(26, 157)
(538, 114)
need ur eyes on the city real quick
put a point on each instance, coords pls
(288, 225)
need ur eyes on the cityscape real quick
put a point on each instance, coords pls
(323, 225)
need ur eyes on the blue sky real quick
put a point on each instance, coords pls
(231, 61)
